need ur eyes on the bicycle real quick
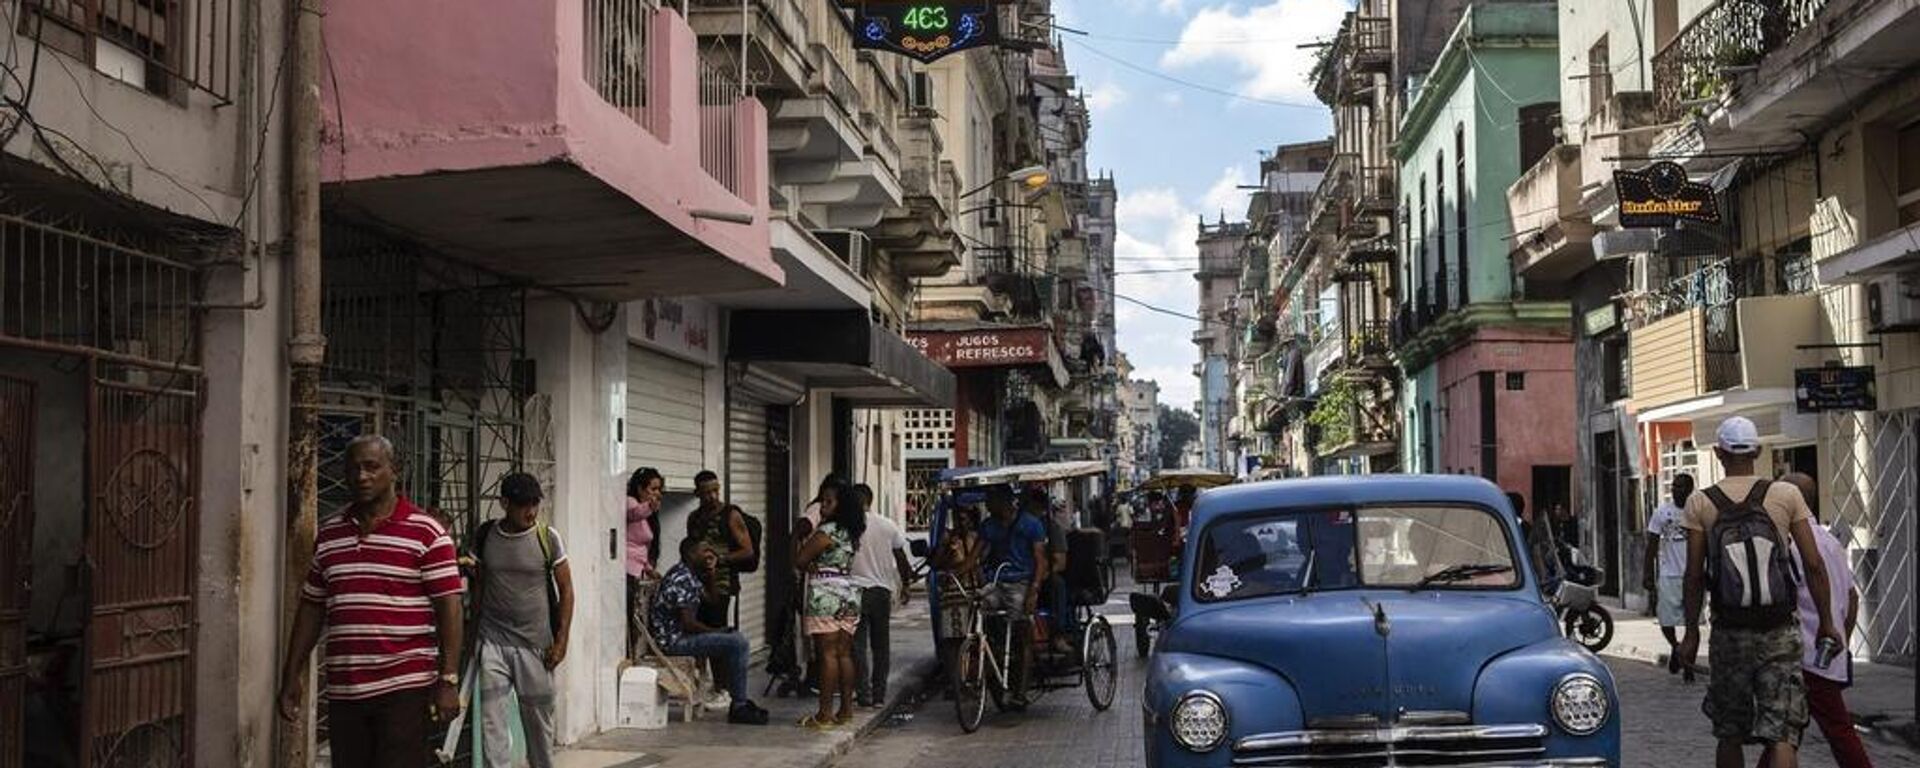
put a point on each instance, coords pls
(979, 671)
(986, 667)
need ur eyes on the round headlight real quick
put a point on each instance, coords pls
(1580, 704)
(1199, 721)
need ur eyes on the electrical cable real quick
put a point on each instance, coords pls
(1194, 85)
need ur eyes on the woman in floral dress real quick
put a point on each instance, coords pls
(833, 602)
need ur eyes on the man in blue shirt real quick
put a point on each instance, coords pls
(1015, 566)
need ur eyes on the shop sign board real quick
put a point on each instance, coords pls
(1661, 196)
(924, 31)
(1834, 388)
(983, 348)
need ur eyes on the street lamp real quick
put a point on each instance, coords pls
(1033, 177)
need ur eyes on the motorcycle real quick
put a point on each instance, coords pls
(1582, 618)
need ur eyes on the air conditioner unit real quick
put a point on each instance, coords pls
(853, 247)
(1891, 304)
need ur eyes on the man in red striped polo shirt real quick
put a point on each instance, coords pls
(386, 587)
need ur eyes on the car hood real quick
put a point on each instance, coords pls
(1331, 646)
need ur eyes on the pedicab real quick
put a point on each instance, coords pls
(1153, 544)
(984, 655)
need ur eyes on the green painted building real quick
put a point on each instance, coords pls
(1488, 367)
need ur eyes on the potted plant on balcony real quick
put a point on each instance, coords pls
(1332, 415)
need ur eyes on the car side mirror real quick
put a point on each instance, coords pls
(918, 547)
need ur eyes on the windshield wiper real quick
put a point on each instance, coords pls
(1461, 572)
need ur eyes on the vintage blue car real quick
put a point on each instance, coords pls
(1378, 620)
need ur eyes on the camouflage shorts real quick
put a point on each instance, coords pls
(1755, 693)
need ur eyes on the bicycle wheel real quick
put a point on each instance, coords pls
(1098, 671)
(969, 682)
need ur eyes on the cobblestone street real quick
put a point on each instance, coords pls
(1663, 727)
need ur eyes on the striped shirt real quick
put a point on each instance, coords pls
(378, 590)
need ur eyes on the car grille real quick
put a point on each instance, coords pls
(1448, 745)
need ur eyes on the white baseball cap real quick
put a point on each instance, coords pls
(1738, 435)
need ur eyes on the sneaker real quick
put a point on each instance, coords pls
(746, 713)
(720, 701)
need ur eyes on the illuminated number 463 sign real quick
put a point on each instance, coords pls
(924, 31)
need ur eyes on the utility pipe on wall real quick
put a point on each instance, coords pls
(306, 346)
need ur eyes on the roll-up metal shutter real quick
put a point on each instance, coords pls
(746, 485)
(666, 416)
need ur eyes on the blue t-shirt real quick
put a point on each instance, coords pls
(1014, 547)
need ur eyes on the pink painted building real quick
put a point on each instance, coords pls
(575, 143)
(1508, 400)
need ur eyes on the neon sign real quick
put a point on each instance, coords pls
(925, 31)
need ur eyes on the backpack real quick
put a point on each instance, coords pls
(1750, 570)
(753, 535)
(542, 534)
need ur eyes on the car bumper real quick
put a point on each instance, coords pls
(1460, 746)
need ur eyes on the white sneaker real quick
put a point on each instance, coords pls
(720, 701)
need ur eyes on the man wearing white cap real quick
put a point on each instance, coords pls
(1740, 532)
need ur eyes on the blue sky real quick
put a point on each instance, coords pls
(1178, 150)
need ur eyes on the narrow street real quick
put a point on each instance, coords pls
(1661, 719)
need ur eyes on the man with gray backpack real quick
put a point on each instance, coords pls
(1738, 534)
(524, 596)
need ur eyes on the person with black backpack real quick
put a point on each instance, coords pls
(733, 536)
(524, 595)
(1739, 531)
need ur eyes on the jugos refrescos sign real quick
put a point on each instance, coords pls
(982, 349)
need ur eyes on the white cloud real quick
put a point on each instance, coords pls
(1178, 386)
(1154, 204)
(1172, 98)
(1155, 246)
(1226, 195)
(1261, 43)
(1106, 96)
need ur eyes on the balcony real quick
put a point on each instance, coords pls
(1720, 332)
(1345, 425)
(1553, 234)
(1758, 70)
(1370, 46)
(835, 153)
(776, 31)
(919, 236)
(1369, 342)
(1729, 35)
(597, 160)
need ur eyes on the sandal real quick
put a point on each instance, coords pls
(814, 723)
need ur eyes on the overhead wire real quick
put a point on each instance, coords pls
(1203, 87)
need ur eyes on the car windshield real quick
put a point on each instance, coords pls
(1409, 547)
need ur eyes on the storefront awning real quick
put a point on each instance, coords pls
(840, 350)
(985, 345)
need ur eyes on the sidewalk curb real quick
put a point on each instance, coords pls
(915, 680)
(1891, 730)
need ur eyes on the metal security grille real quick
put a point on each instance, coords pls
(431, 354)
(1869, 465)
(16, 535)
(113, 298)
(142, 544)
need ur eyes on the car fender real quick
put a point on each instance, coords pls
(1256, 698)
(1517, 687)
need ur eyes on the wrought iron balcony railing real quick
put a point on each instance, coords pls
(1728, 37)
